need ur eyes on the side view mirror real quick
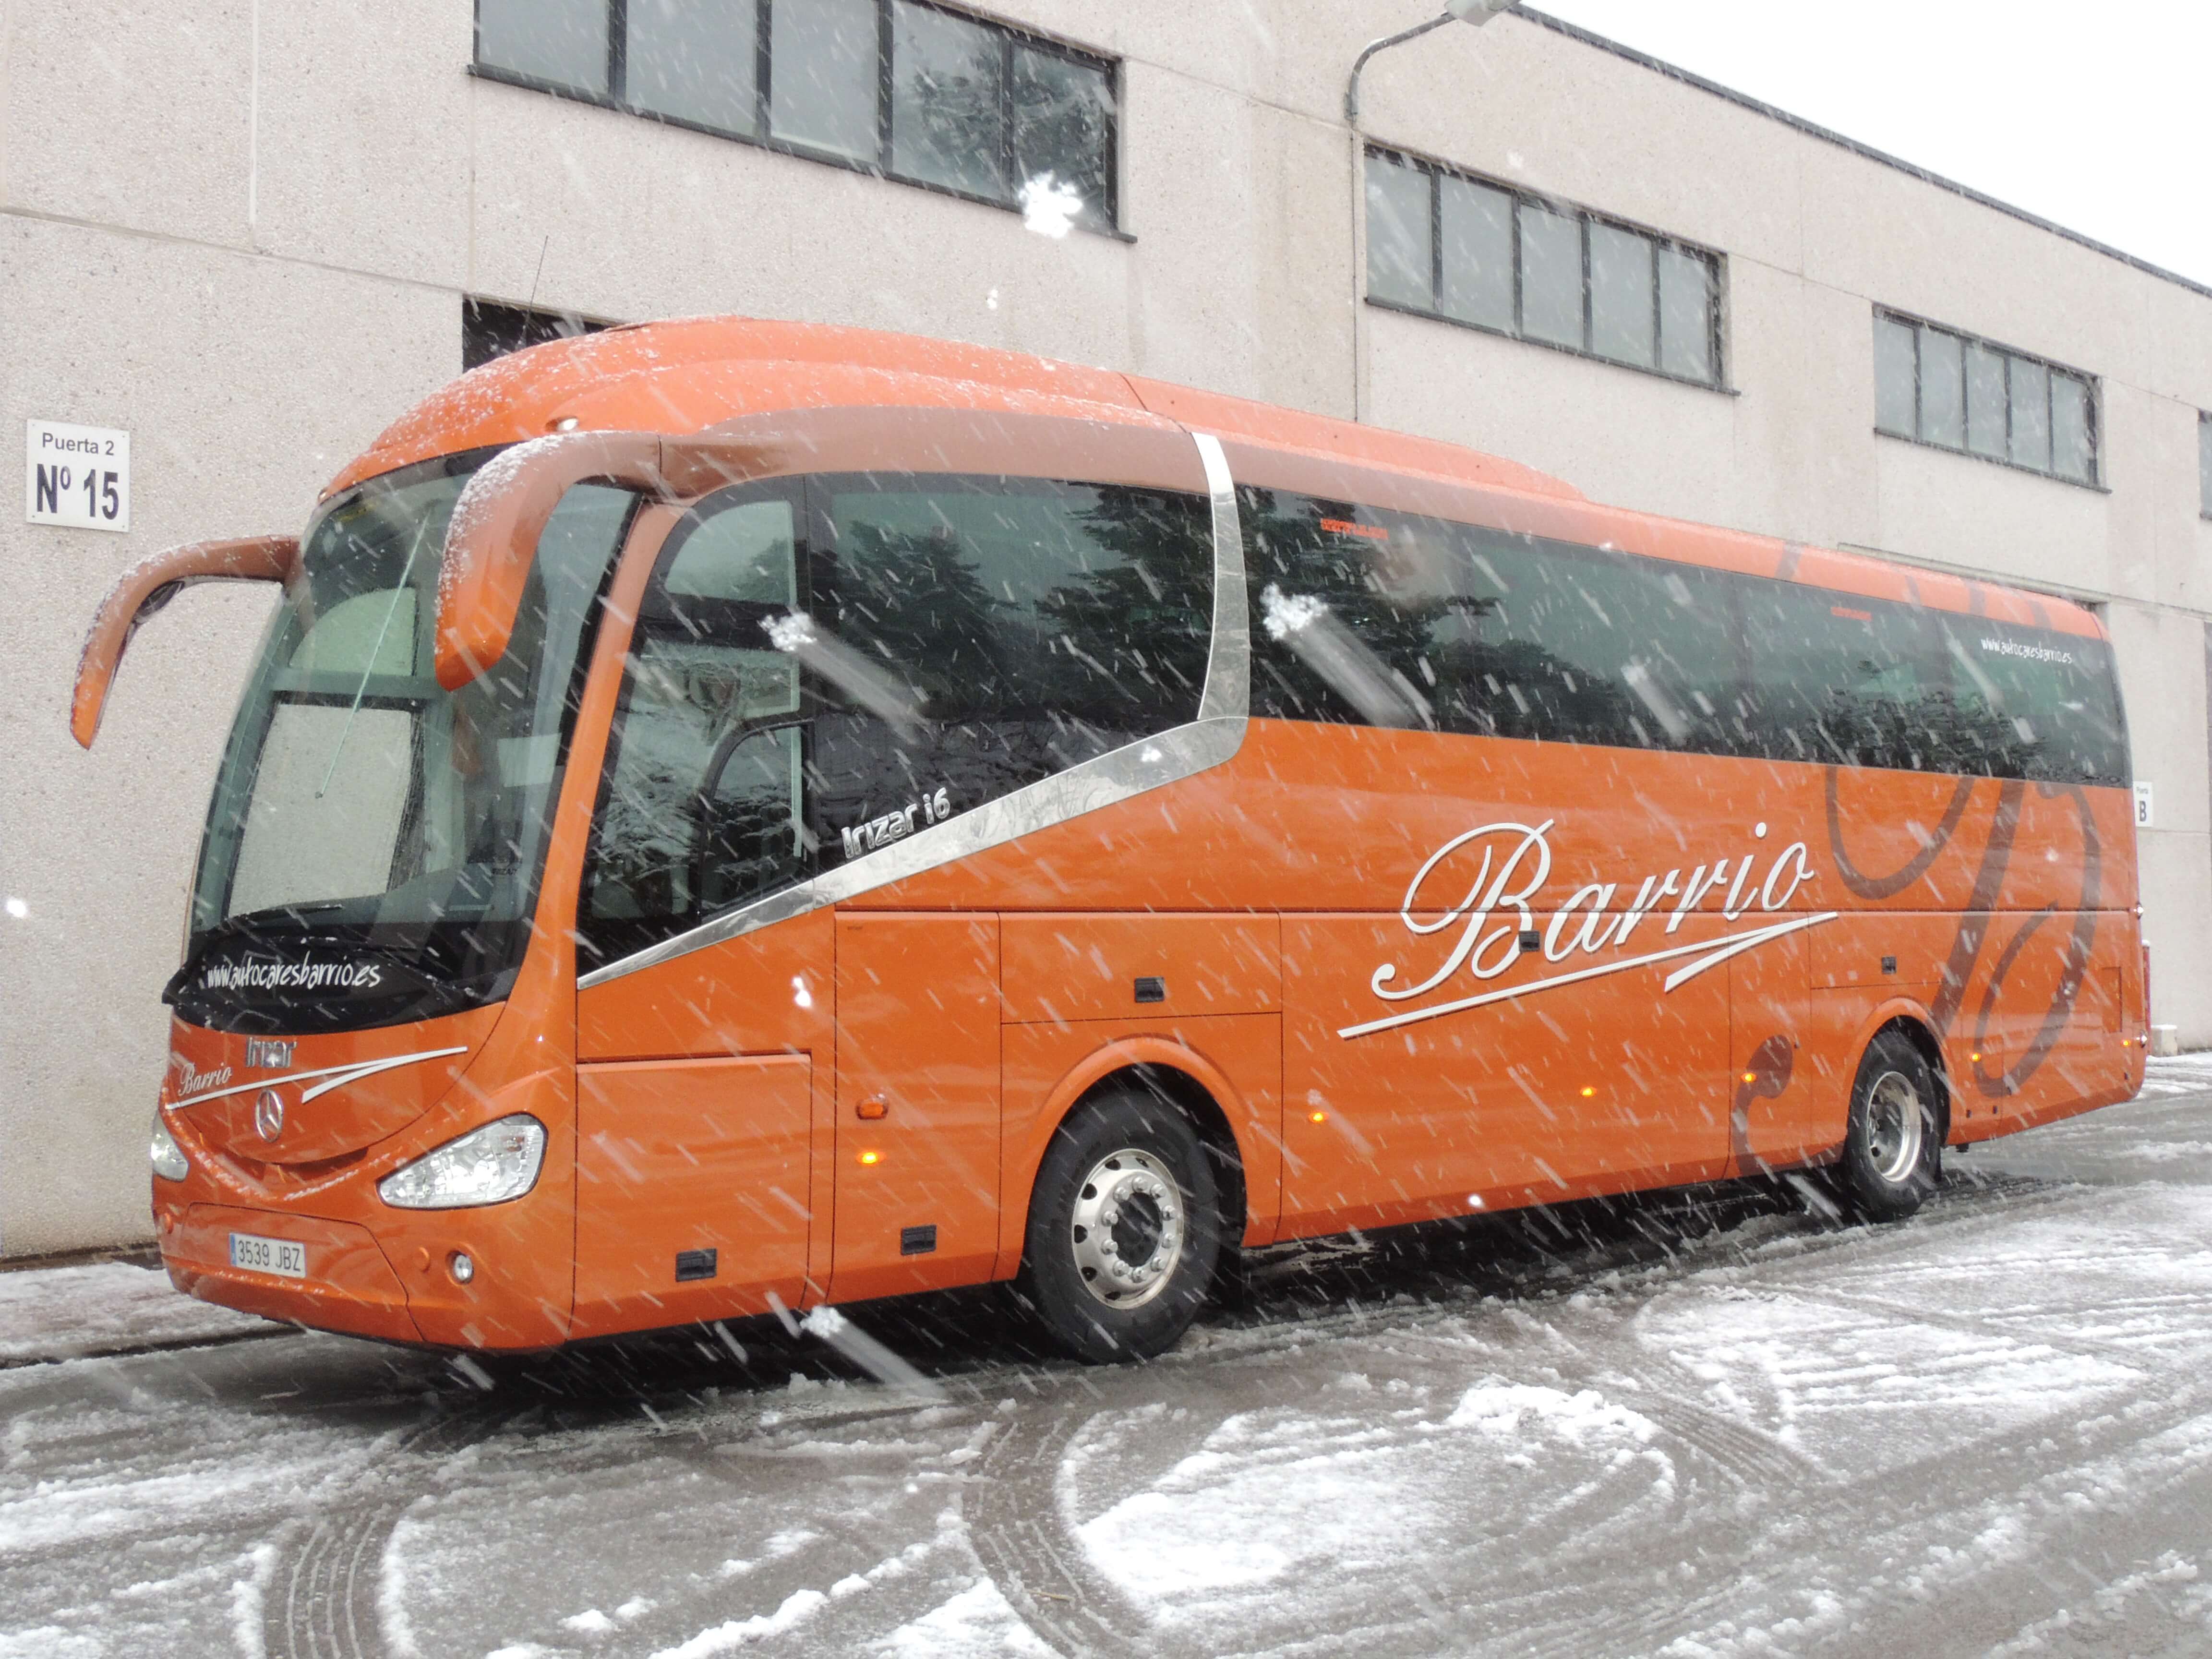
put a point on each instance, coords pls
(145, 588)
(492, 536)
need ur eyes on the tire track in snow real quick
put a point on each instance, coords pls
(322, 1600)
(1023, 1541)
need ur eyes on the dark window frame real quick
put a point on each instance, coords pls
(1107, 224)
(1715, 262)
(1744, 597)
(2204, 464)
(2094, 384)
(530, 325)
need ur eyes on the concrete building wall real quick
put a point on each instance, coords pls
(244, 232)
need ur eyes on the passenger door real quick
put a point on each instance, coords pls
(702, 1078)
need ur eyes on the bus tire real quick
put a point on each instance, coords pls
(1893, 1145)
(1125, 1229)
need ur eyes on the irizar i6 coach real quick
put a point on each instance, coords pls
(733, 815)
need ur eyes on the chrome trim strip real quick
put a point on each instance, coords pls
(1229, 664)
(1131, 771)
(1211, 740)
(338, 1077)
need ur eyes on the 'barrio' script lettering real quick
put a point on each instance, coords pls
(1504, 865)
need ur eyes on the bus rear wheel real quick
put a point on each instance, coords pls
(1893, 1146)
(1125, 1229)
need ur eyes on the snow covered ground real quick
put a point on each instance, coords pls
(65, 1313)
(1697, 1424)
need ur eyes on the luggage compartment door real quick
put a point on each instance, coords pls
(918, 1092)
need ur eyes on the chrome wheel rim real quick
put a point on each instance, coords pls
(1895, 1124)
(1128, 1229)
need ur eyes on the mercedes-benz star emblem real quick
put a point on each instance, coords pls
(269, 1114)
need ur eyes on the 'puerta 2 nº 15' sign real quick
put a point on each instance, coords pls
(76, 476)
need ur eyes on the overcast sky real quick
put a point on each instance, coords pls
(2097, 116)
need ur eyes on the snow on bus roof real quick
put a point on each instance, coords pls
(685, 375)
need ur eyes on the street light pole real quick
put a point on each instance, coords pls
(1476, 12)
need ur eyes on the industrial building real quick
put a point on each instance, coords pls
(250, 236)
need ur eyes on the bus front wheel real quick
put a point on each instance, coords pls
(1125, 1229)
(1894, 1147)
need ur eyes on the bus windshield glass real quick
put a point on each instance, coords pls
(372, 848)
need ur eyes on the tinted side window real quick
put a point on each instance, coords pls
(2041, 705)
(1836, 679)
(1361, 616)
(1364, 617)
(701, 807)
(1343, 602)
(975, 634)
(1583, 645)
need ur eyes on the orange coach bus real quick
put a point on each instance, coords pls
(730, 816)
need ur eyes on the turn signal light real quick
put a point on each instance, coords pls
(1319, 1117)
(1586, 1093)
(871, 1158)
(1751, 1077)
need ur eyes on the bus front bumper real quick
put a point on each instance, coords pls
(347, 1285)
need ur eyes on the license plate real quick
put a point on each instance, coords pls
(280, 1256)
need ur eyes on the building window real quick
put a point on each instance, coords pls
(490, 329)
(2204, 464)
(1467, 251)
(1937, 387)
(911, 91)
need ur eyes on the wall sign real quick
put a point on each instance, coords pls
(76, 476)
(2142, 806)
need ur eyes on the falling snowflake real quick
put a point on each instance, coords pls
(1285, 615)
(790, 634)
(1050, 207)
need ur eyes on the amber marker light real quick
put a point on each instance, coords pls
(1586, 1093)
(1751, 1077)
(1319, 1117)
(871, 1158)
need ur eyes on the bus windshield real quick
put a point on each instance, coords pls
(372, 848)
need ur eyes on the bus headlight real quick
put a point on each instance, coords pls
(488, 1166)
(169, 1160)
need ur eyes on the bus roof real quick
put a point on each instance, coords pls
(684, 376)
